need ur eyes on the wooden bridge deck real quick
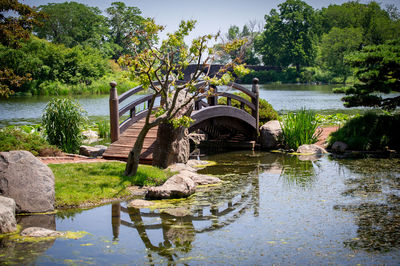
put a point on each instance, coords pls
(119, 150)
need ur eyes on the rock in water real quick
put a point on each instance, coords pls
(177, 186)
(27, 180)
(40, 232)
(270, 134)
(8, 223)
(311, 149)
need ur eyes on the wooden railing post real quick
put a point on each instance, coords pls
(213, 100)
(255, 101)
(114, 112)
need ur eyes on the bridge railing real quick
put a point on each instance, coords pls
(136, 113)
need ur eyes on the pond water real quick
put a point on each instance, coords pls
(283, 97)
(270, 209)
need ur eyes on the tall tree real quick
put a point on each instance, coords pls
(247, 35)
(378, 71)
(289, 37)
(378, 25)
(156, 68)
(124, 22)
(16, 22)
(335, 45)
(72, 23)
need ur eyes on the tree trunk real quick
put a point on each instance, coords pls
(134, 155)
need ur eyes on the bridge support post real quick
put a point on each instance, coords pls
(114, 112)
(255, 101)
(213, 100)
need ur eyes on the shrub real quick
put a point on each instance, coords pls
(63, 120)
(369, 132)
(300, 128)
(267, 112)
(13, 138)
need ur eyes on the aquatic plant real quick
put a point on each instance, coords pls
(300, 128)
(63, 120)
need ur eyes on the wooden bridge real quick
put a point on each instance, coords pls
(217, 121)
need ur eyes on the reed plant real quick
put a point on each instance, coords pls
(300, 128)
(104, 129)
(63, 121)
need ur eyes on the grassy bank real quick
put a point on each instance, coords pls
(92, 183)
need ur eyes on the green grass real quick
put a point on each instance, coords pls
(300, 128)
(90, 183)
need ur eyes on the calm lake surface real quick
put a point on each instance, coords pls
(283, 97)
(271, 209)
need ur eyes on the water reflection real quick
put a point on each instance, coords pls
(375, 184)
(23, 253)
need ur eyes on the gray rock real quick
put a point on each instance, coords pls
(137, 203)
(311, 149)
(201, 179)
(178, 212)
(27, 180)
(180, 167)
(177, 186)
(270, 135)
(90, 136)
(197, 163)
(172, 144)
(95, 151)
(8, 224)
(339, 146)
(40, 232)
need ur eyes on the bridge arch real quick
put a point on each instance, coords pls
(208, 115)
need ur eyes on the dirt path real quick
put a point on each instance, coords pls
(326, 131)
(73, 158)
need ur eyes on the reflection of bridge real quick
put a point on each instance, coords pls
(178, 233)
(216, 120)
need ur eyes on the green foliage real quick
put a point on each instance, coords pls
(335, 45)
(334, 119)
(104, 129)
(48, 63)
(289, 36)
(63, 121)
(21, 138)
(300, 128)
(369, 132)
(377, 25)
(71, 24)
(267, 112)
(378, 71)
(78, 184)
(124, 21)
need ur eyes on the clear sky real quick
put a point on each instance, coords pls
(211, 15)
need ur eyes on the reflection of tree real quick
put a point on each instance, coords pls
(375, 183)
(298, 172)
(209, 209)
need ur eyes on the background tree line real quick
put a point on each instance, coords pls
(311, 45)
(74, 43)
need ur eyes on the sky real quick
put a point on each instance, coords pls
(211, 15)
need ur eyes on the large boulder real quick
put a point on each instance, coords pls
(27, 180)
(172, 144)
(199, 179)
(270, 135)
(8, 223)
(177, 186)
